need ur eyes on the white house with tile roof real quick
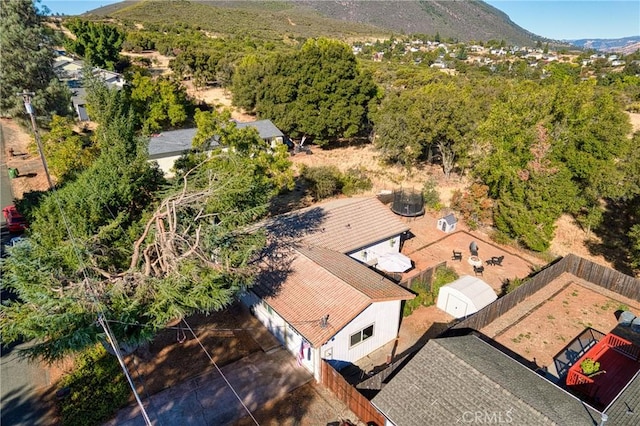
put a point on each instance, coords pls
(316, 293)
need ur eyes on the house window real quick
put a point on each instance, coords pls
(361, 336)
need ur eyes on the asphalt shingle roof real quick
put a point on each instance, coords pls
(174, 142)
(625, 409)
(459, 380)
(177, 142)
(266, 129)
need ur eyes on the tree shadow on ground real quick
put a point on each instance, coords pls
(616, 221)
(225, 334)
(290, 200)
(24, 407)
(343, 143)
(305, 405)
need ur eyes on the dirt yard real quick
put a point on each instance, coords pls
(25, 158)
(542, 325)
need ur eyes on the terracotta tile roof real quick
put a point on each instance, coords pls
(366, 281)
(343, 225)
(314, 282)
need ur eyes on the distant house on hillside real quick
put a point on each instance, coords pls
(69, 71)
(166, 147)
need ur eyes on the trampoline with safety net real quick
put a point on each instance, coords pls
(408, 203)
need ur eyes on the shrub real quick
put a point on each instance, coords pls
(97, 389)
(355, 181)
(426, 294)
(442, 276)
(430, 194)
(323, 181)
(589, 366)
(326, 181)
(474, 204)
(508, 285)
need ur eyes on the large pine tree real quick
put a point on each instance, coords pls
(26, 62)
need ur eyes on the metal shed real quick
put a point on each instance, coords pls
(465, 296)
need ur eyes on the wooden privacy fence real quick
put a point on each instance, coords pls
(375, 382)
(425, 276)
(582, 268)
(348, 394)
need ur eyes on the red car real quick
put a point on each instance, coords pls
(15, 221)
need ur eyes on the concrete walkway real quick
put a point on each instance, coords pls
(208, 400)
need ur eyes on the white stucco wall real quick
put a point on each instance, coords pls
(307, 356)
(385, 317)
(166, 164)
(371, 252)
(276, 141)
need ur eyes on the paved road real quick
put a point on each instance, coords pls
(19, 379)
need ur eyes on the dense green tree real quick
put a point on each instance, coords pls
(98, 43)
(27, 63)
(438, 119)
(160, 102)
(396, 130)
(553, 147)
(111, 242)
(67, 152)
(318, 91)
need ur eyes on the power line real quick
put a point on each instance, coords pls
(220, 371)
(94, 296)
(114, 344)
(137, 324)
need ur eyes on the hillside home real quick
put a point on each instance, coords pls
(166, 147)
(317, 291)
(69, 70)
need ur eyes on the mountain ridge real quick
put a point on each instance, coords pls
(468, 20)
(624, 45)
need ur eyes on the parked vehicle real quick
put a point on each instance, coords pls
(16, 223)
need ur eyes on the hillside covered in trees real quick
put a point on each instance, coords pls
(457, 20)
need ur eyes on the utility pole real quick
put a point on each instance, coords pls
(101, 319)
(26, 96)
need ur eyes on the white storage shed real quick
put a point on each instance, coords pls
(465, 296)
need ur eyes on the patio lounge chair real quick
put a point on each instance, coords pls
(478, 270)
(457, 255)
(495, 260)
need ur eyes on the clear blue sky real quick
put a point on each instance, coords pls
(560, 20)
(574, 19)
